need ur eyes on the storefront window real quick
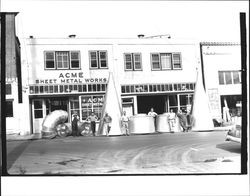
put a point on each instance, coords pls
(186, 101)
(173, 103)
(228, 77)
(74, 106)
(38, 108)
(236, 77)
(90, 104)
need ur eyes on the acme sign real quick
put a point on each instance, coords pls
(68, 78)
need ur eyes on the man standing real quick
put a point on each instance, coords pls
(92, 118)
(183, 120)
(107, 123)
(153, 114)
(172, 119)
(74, 125)
(124, 120)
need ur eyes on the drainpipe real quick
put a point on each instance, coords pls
(202, 67)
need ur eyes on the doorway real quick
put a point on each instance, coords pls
(158, 102)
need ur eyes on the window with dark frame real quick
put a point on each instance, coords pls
(132, 61)
(62, 60)
(8, 89)
(98, 59)
(229, 77)
(166, 61)
(9, 108)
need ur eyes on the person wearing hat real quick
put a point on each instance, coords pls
(107, 123)
(74, 125)
(92, 118)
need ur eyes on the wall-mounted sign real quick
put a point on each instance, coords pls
(214, 102)
(69, 78)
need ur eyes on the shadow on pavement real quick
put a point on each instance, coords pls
(230, 146)
(15, 153)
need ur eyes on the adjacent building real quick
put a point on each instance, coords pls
(222, 76)
(13, 81)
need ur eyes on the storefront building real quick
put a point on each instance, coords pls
(72, 74)
(222, 74)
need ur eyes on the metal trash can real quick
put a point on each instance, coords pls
(141, 123)
(162, 124)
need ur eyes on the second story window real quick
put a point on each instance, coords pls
(132, 61)
(98, 59)
(229, 77)
(165, 61)
(62, 60)
(8, 89)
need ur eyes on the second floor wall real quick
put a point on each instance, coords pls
(132, 61)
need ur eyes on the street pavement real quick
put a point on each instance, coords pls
(163, 153)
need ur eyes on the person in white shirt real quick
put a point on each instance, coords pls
(124, 121)
(153, 114)
(172, 120)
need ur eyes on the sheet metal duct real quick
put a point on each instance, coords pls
(162, 123)
(141, 123)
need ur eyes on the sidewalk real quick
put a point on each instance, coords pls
(14, 137)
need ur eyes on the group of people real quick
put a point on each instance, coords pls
(107, 121)
(184, 119)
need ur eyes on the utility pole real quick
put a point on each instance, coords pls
(243, 44)
(2, 96)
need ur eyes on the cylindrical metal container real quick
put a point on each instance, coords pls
(162, 124)
(177, 127)
(141, 123)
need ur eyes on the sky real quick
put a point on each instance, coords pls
(199, 20)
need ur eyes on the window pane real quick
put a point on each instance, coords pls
(62, 60)
(177, 61)
(93, 56)
(123, 89)
(74, 55)
(137, 61)
(166, 61)
(8, 89)
(221, 77)
(236, 77)
(49, 56)
(79, 88)
(103, 63)
(89, 87)
(38, 104)
(9, 109)
(75, 64)
(74, 103)
(50, 89)
(93, 63)
(31, 89)
(55, 89)
(128, 61)
(49, 60)
(41, 89)
(38, 113)
(49, 64)
(103, 55)
(128, 66)
(173, 100)
(155, 61)
(228, 77)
